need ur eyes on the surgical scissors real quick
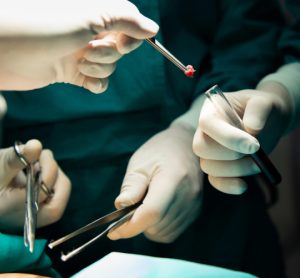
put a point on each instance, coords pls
(31, 205)
(121, 216)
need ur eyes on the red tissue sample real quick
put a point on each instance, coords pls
(190, 71)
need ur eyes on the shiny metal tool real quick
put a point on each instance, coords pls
(31, 205)
(188, 70)
(121, 216)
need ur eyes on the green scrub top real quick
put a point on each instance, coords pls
(93, 136)
(289, 42)
(15, 257)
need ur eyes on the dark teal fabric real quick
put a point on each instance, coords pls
(14, 257)
(229, 42)
(289, 43)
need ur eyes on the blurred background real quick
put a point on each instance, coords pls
(286, 212)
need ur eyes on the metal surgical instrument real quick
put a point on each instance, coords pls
(121, 216)
(31, 205)
(188, 70)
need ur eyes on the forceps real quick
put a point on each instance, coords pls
(31, 205)
(188, 70)
(121, 216)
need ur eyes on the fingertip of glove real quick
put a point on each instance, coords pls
(249, 146)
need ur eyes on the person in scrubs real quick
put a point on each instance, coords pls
(269, 112)
(138, 137)
(53, 42)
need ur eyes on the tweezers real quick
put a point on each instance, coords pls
(121, 216)
(188, 70)
(31, 205)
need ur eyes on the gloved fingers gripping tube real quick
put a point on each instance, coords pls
(224, 107)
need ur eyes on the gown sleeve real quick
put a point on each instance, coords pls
(14, 257)
(244, 48)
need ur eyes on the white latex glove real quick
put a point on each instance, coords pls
(43, 42)
(165, 172)
(222, 147)
(13, 181)
(3, 107)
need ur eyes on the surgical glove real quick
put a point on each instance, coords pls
(75, 42)
(13, 181)
(3, 107)
(223, 148)
(164, 173)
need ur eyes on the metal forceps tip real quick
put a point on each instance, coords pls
(188, 70)
(121, 216)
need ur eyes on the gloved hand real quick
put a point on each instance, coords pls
(13, 181)
(165, 172)
(55, 41)
(223, 148)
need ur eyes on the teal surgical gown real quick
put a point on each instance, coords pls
(15, 257)
(229, 42)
